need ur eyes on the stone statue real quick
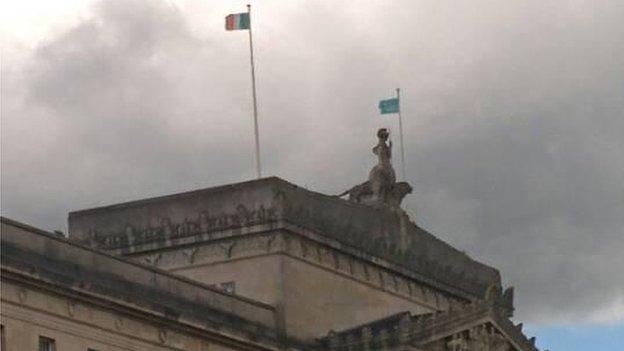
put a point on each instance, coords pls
(381, 178)
(381, 187)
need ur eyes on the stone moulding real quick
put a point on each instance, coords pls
(108, 319)
(300, 243)
(309, 250)
(202, 225)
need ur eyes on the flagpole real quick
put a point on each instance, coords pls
(398, 92)
(255, 105)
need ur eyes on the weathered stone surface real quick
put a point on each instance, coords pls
(317, 262)
(269, 204)
(65, 265)
(285, 267)
(166, 218)
(478, 326)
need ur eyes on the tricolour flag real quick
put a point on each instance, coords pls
(389, 106)
(237, 21)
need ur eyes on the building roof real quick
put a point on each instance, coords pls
(380, 231)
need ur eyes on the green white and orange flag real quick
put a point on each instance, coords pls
(237, 21)
(242, 21)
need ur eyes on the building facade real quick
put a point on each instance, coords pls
(258, 265)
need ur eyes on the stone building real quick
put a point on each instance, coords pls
(259, 265)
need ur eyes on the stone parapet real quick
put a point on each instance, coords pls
(271, 204)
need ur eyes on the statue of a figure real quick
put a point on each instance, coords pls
(382, 177)
(381, 187)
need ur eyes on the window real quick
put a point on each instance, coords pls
(46, 344)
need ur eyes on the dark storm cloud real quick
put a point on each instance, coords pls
(514, 116)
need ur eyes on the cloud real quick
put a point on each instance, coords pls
(513, 116)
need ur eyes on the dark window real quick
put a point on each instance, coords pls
(46, 344)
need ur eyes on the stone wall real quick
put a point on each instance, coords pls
(315, 287)
(58, 289)
(30, 313)
(271, 204)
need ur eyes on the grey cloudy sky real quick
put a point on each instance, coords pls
(513, 117)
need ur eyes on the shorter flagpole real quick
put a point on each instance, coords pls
(255, 105)
(398, 92)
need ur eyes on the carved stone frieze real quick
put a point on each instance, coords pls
(208, 252)
(227, 248)
(161, 229)
(71, 308)
(457, 343)
(385, 279)
(190, 254)
(366, 272)
(244, 246)
(270, 242)
(22, 294)
(153, 258)
(162, 335)
(350, 266)
(395, 282)
(119, 323)
(480, 338)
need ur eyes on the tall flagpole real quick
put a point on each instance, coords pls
(398, 92)
(255, 105)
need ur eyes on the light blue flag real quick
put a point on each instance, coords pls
(389, 106)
